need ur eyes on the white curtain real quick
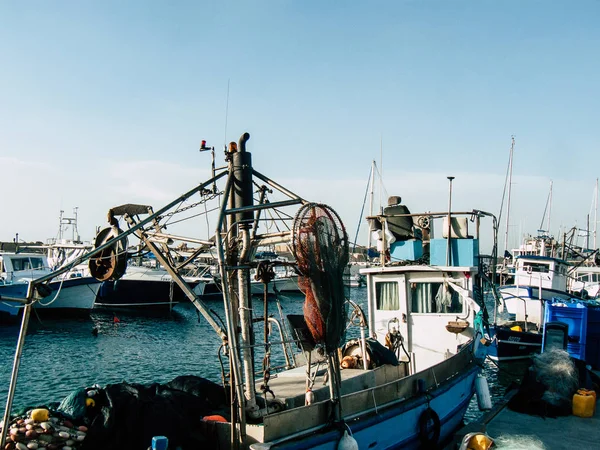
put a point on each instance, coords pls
(421, 297)
(387, 296)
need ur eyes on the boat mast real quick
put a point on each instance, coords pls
(381, 172)
(449, 249)
(371, 202)
(595, 214)
(510, 164)
(549, 208)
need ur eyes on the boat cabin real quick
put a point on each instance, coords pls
(585, 278)
(425, 307)
(541, 271)
(424, 290)
(19, 267)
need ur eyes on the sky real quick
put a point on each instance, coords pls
(105, 103)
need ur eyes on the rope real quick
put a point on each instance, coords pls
(57, 293)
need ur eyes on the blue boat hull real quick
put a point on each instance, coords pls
(398, 426)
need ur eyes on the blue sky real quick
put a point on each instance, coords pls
(104, 103)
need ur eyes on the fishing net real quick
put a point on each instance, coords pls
(320, 246)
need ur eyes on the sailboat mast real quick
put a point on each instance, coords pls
(510, 164)
(371, 194)
(381, 172)
(549, 208)
(596, 214)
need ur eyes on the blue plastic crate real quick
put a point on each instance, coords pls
(574, 315)
(576, 350)
(592, 341)
(465, 252)
(409, 250)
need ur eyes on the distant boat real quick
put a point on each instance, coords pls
(584, 281)
(145, 288)
(72, 294)
(538, 279)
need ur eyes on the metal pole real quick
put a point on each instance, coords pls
(449, 250)
(15, 372)
(371, 205)
(510, 165)
(595, 214)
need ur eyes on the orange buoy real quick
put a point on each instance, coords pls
(215, 418)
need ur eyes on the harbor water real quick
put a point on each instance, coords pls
(61, 355)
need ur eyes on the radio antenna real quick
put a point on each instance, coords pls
(226, 115)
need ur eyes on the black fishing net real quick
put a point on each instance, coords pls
(320, 246)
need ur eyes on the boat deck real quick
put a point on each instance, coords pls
(290, 386)
(559, 433)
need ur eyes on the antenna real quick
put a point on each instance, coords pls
(226, 116)
(381, 171)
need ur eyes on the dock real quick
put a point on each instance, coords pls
(565, 432)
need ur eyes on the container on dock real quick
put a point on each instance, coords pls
(584, 403)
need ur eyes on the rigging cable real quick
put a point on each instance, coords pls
(362, 211)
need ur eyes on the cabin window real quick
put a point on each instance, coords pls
(530, 267)
(37, 263)
(27, 263)
(435, 298)
(387, 296)
(21, 264)
(585, 277)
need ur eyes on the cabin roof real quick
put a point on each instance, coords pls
(416, 268)
(543, 258)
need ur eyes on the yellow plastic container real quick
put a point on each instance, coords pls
(584, 403)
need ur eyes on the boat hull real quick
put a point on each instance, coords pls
(70, 296)
(525, 301)
(511, 345)
(144, 293)
(399, 426)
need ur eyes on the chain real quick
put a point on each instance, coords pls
(193, 205)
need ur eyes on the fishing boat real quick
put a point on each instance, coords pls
(585, 281)
(404, 382)
(71, 293)
(538, 279)
(144, 288)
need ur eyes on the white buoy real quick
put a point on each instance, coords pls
(482, 389)
(309, 397)
(347, 442)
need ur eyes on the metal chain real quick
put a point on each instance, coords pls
(193, 205)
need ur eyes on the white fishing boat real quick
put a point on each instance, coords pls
(584, 281)
(405, 382)
(70, 294)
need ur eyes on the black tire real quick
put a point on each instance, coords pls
(428, 435)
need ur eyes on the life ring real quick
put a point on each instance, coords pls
(429, 436)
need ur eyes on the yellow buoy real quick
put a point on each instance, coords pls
(40, 414)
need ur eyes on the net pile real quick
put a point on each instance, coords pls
(320, 246)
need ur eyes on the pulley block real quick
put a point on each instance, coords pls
(110, 263)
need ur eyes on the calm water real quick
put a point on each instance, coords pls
(62, 355)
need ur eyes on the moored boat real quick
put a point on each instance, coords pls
(407, 385)
(70, 294)
(144, 288)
